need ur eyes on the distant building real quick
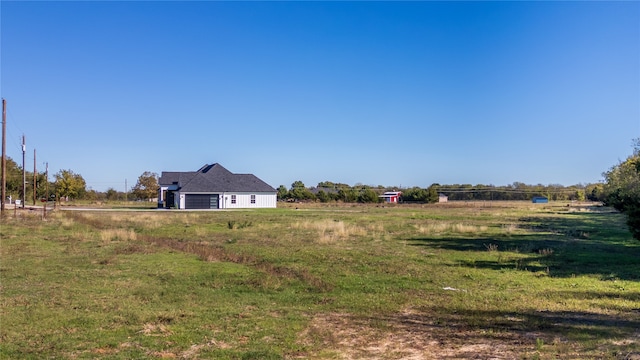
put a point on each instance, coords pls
(539, 200)
(326, 190)
(391, 196)
(442, 198)
(214, 187)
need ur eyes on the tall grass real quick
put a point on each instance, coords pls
(329, 231)
(117, 234)
(442, 227)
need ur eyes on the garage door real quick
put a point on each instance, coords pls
(201, 201)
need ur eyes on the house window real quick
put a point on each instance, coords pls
(253, 199)
(233, 199)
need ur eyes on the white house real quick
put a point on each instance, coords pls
(214, 187)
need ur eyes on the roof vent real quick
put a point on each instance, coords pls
(205, 168)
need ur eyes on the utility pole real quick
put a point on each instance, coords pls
(24, 172)
(125, 191)
(46, 191)
(3, 196)
(35, 172)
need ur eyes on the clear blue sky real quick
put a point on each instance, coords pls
(378, 93)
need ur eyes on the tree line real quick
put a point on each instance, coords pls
(327, 191)
(68, 185)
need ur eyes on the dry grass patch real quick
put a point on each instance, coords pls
(469, 229)
(64, 222)
(330, 231)
(195, 349)
(117, 234)
(80, 235)
(107, 220)
(409, 335)
(200, 232)
(155, 330)
(442, 227)
(147, 220)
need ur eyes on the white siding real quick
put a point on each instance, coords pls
(243, 200)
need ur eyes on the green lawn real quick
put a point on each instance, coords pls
(483, 280)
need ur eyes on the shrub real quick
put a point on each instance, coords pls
(622, 189)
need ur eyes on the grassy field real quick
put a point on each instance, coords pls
(449, 281)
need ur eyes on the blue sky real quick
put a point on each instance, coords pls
(379, 93)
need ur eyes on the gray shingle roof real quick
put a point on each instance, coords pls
(214, 178)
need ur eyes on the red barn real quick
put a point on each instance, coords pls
(391, 196)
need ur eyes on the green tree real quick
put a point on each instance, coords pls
(622, 189)
(323, 196)
(283, 193)
(14, 183)
(147, 186)
(432, 194)
(409, 194)
(368, 196)
(41, 186)
(417, 194)
(111, 194)
(595, 192)
(93, 195)
(347, 195)
(14, 179)
(69, 184)
(300, 192)
(326, 185)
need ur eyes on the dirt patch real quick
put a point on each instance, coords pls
(155, 330)
(412, 336)
(420, 335)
